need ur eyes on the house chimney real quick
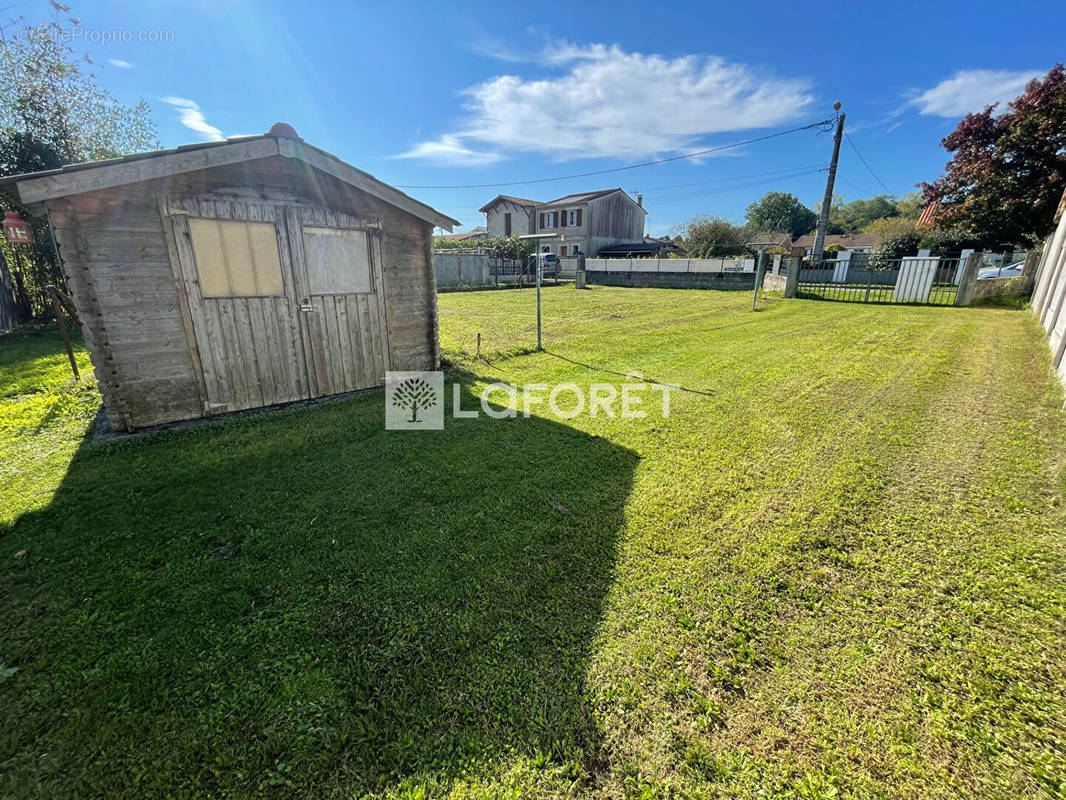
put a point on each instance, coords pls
(640, 200)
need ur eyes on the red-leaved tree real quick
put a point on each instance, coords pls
(1007, 172)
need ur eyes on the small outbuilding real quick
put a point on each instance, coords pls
(238, 274)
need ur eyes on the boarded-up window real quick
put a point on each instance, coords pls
(338, 261)
(236, 259)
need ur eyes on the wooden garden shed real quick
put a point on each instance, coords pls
(239, 274)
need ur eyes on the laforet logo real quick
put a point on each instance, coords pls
(414, 401)
(415, 394)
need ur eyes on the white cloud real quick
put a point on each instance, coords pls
(193, 118)
(970, 91)
(613, 103)
(118, 62)
(449, 150)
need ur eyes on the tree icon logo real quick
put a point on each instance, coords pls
(414, 400)
(414, 394)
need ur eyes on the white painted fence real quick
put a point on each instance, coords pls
(1049, 293)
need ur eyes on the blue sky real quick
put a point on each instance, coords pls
(444, 94)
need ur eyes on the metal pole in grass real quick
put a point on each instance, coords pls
(539, 270)
(537, 237)
(760, 268)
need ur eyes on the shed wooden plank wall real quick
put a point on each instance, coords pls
(119, 270)
(115, 252)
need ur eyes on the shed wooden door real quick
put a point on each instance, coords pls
(237, 274)
(286, 302)
(337, 268)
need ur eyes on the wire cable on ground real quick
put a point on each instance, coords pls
(821, 123)
(635, 375)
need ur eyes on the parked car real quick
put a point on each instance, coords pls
(1009, 271)
(549, 264)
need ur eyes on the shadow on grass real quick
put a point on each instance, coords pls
(307, 603)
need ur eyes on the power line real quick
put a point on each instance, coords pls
(742, 185)
(868, 167)
(781, 172)
(730, 182)
(718, 149)
(852, 183)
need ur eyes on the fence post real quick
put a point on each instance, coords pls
(968, 281)
(61, 318)
(8, 308)
(1032, 264)
(760, 268)
(795, 264)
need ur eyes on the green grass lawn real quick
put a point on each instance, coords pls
(835, 570)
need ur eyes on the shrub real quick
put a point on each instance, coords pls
(899, 238)
(949, 243)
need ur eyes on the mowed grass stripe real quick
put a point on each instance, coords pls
(863, 404)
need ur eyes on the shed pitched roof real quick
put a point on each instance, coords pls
(92, 175)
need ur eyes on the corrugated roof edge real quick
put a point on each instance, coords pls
(585, 197)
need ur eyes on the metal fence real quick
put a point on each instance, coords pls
(915, 279)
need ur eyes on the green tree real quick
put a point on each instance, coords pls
(52, 113)
(503, 246)
(948, 242)
(1007, 171)
(714, 237)
(512, 246)
(780, 212)
(854, 216)
(899, 237)
(910, 205)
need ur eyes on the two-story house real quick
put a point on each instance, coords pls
(509, 216)
(589, 221)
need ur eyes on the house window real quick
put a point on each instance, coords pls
(562, 250)
(549, 219)
(236, 259)
(572, 218)
(507, 224)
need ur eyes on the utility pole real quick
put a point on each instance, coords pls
(827, 200)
